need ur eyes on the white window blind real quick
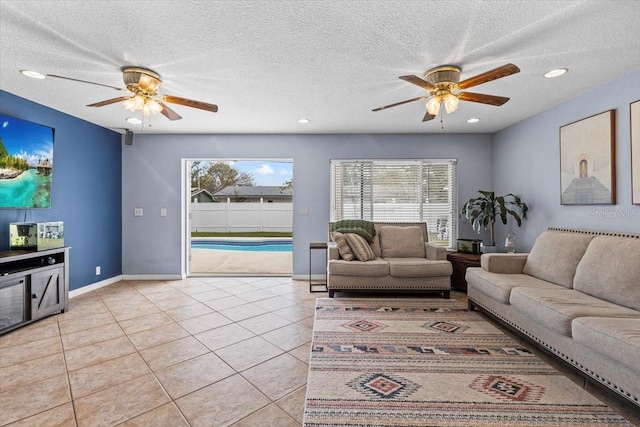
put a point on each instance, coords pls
(398, 190)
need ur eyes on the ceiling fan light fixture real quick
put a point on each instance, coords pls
(134, 120)
(303, 121)
(473, 120)
(433, 105)
(151, 106)
(134, 103)
(450, 102)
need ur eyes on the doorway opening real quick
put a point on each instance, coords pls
(239, 217)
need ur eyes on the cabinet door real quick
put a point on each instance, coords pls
(47, 292)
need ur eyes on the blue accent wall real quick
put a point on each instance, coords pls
(86, 191)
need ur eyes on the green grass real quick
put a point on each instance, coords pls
(242, 234)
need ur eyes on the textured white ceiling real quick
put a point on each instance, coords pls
(268, 63)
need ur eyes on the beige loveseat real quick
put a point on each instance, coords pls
(577, 294)
(404, 261)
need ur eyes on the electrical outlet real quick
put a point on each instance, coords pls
(163, 212)
(137, 212)
(98, 270)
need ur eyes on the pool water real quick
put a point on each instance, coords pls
(244, 245)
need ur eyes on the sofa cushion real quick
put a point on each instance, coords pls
(610, 270)
(399, 242)
(343, 246)
(361, 227)
(555, 256)
(418, 267)
(360, 247)
(498, 286)
(374, 268)
(556, 309)
(616, 338)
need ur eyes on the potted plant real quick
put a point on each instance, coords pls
(483, 211)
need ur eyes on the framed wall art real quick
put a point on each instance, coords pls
(26, 164)
(587, 161)
(634, 126)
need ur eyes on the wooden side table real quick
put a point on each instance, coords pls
(460, 262)
(313, 246)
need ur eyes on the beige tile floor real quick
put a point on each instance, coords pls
(195, 352)
(199, 352)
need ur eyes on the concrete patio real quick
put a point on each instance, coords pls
(240, 263)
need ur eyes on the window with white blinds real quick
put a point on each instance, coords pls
(400, 191)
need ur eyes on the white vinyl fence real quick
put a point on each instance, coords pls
(242, 216)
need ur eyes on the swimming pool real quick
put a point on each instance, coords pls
(243, 245)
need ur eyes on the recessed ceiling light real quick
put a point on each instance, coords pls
(32, 74)
(303, 121)
(473, 120)
(556, 73)
(134, 120)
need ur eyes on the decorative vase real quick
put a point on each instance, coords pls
(510, 243)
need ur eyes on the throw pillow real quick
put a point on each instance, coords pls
(343, 246)
(402, 242)
(361, 227)
(360, 247)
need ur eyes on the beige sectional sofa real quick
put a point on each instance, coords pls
(576, 294)
(404, 261)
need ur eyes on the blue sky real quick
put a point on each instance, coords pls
(266, 172)
(28, 140)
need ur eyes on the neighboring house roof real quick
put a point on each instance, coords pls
(202, 194)
(196, 191)
(270, 191)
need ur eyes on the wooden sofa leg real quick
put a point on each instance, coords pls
(447, 294)
(470, 305)
(331, 292)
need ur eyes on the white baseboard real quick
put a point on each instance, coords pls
(151, 277)
(116, 279)
(94, 286)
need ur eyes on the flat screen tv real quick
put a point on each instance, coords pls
(26, 164)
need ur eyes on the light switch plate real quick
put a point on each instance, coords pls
(137, 212)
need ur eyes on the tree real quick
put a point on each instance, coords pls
(287, 185)
(216, 176)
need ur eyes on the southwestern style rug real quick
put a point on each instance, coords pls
(431, 362)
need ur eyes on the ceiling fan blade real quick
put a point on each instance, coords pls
(190, 103)
(399, 103)
(85, 81)
(496, 73)
(109, 101)
(419, 82)
(428, 117)
(482, 98)
(169, 113)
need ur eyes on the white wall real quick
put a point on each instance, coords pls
(526, 161)
(151, 180)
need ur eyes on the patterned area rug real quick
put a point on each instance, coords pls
(431, 362)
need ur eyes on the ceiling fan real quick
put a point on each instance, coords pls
(444, 87)
(142, 87)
